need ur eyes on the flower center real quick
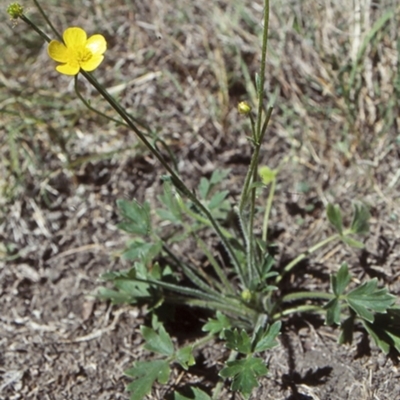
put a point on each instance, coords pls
(83, 55)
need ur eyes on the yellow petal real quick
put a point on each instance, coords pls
(57, 51)
(74, 38)
(92, 64)
(96, 44)
(68, 69)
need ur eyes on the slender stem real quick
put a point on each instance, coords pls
(179, 184)
(268, 208)
(265, 124)
(299, 309)
(175, 178)
(250, 250)
(249, 175)
(47, 19)
(253, 164)
(184, 290)
(229, 307)
(304, 255)
(201, 342)
(262, 70)
(87, 105)
(307, 295)
(203, 220)
(257, 136)
(35, 28)
(218, 270)
(195, 274)
(253, 126)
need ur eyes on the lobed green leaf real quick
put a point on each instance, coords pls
(340, 281)
(332, 312)
(219, 175)
(138, 249)
(238, 341)
(366, 299)
(217, 199)
(197, 393)
(217, 326)
(385, 330)
(157, 342)
(146, 373)
(268, 339)
(136, 217)
(335, 217)
(360, 222)
(244, 374)
(185, 358)
(172, 211)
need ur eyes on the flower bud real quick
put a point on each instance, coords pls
(244, 108)
(15, 10)
(246, 295)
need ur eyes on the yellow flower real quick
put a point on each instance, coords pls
(77, 51)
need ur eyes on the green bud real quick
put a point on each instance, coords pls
(244, 108)
(246, 295)
(15, 10)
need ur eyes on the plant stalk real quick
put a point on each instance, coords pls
(175, 178)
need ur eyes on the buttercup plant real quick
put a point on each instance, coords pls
(244, 296)
(78, 52)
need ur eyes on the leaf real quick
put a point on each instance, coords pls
(219, 175)
(239, 341)
(340, 281)
(197, 393)
(367, 298)
(217, 199)
(257, 185)
(270, 288)
(335, 217)
(184, 357)
(146, 373)
(332, 312)
(129, 289)
(217, 326)
(167, 216)
(204, 187)
(112, 275)
(267, 174)
(268, 340)
(361, 216)
(173, 211)
(134, 288)
(157, 342)
(378, 336)
(115, 296)
(137, 249)
(136, 217)
(265, 270)
(385, 330)
(244, 374)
